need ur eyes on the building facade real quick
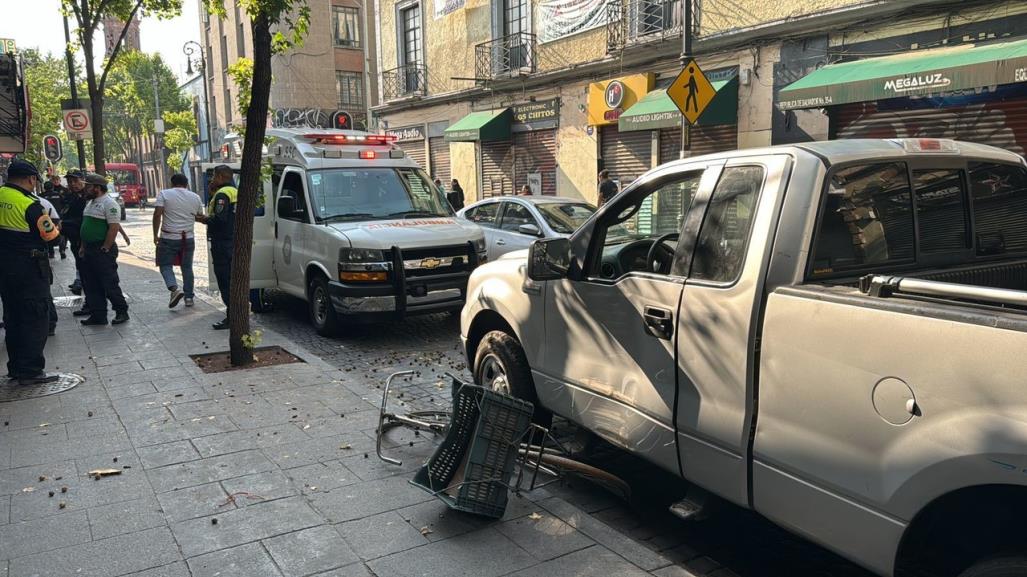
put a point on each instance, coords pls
(329, 81)
(505, 93)
(112, 28)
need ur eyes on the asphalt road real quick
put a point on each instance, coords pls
(731, 542)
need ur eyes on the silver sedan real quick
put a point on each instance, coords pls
(514, 222)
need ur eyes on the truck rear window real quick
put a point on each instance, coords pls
(874, 217)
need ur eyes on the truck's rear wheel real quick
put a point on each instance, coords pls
(500, 365)
(322, 313)
(1011, 566)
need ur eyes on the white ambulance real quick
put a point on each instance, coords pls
(354, 227)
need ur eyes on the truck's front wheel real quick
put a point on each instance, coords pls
(500, 365)
(322, 313)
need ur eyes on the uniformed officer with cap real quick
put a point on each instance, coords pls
(220, 221)
(101, 223)
(71, 221)
(25, 276)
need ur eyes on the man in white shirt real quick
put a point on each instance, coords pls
(173, 220)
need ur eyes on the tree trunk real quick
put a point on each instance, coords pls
(95, 105)
(250, 186)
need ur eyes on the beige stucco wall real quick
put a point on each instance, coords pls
(577, 152)
(569, 50)
(723, 15)
(909, 26)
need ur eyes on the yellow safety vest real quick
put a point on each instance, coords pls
(230, 191)
(13, 205)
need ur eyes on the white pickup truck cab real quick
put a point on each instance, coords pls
(831, 334)
(358, 230)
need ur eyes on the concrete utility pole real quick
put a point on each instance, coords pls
(158, 129)
(79, 145)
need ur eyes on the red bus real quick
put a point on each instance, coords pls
(125, 177)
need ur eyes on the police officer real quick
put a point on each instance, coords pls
(220, 220)
(54, 192)
(101, 223)
(71, 219)
(25, 276)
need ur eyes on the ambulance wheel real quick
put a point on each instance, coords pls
(260, 301)
(322, 313)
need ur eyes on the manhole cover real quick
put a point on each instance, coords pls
(11, 391)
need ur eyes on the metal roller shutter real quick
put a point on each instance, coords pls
(704, 140)
(627, 155)
(535, 152)
(415, 150)
(438, 151)
(1001, 123)
(497, 168)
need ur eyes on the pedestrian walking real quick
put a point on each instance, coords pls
(173, 219)
(74, 204)
(607, 187)
(456, 195)
(25, 275)
(101, 223)
(220, 221)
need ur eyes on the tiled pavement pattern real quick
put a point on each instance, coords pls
(271, 471)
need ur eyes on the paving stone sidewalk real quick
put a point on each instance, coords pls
(262, 472)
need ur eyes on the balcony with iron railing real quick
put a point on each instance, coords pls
(641, 21)
(505, 57)
(404, 82)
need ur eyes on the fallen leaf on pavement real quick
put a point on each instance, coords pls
(534, 516)
(346, 447)
(426, 531)
(28, 489)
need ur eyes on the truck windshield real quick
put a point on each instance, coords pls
(374, 194)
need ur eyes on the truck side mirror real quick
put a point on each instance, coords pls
(286, 207)
(549, 259)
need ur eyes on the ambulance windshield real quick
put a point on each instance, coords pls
(341, 194)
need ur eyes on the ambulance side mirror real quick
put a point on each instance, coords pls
(286, 207)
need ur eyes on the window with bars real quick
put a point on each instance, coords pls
(350, 86)
(411, 20)
(228, 106)
(346, 26)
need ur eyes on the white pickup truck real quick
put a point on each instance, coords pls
(832, 334)
(355, 228)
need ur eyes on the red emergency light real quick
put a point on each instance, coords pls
(350, 139)
(367, 155)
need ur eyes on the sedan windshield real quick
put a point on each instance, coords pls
(375, 193)
(565, 218)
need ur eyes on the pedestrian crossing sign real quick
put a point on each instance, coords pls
(691, 91)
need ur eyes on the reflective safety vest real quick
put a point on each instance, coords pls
(13, 206)
(230, 191)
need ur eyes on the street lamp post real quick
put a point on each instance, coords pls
(190, 49)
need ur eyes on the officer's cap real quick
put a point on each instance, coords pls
(21, 169)
(95, 179)
(75, 173)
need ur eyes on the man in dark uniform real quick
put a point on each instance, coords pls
(54, 192)
(71, 218)
(101, 223)
(220, 220)
(25, 230)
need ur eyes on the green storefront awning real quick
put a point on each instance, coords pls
(486, 125)
(909, 74)
(656, 110)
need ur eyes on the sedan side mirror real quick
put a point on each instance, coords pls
(529, 229)
(286, 207)
(549, 259)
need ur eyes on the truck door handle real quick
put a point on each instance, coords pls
(658, 322)
(500, 241)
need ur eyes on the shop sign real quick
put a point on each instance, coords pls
(538, 115)
(908, 83)
(407, 133)
(608, 99)
(7, 46)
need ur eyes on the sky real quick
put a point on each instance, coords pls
(38, 24)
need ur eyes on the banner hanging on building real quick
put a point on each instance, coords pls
(444, 8)
(560, 18)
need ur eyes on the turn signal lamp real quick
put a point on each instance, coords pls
(353, 276)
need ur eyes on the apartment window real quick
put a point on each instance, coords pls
(240, 41)
(228, 107)
(224, 52)
(346, 26)
(411, 22)
(210, 62)
(350, 86)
